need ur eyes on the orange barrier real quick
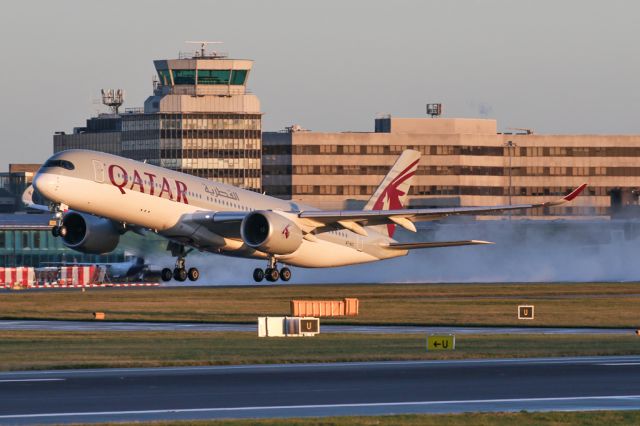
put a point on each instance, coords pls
(325, 308)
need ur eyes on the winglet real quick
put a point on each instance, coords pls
(575, 192)
(566, 198)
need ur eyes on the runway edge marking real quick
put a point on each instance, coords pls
(354, 405)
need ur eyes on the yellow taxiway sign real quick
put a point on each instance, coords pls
(441, 342)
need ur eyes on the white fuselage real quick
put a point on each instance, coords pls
(151, 197)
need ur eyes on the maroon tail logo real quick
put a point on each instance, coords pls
(285, 232)
(393, 194)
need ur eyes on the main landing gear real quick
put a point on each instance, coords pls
(180, 272)
(271, 273)
(58, 230)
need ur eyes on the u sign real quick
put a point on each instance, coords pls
(525, 312)
(309, 325)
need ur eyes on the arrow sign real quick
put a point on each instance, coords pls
(441, 342)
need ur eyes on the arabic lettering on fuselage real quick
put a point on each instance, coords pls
(214, 191)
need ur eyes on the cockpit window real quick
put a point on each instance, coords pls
(59, 163)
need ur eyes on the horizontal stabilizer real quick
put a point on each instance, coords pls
(435, 244)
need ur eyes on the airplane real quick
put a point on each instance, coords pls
(95, 197)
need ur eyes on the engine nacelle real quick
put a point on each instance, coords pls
(270, 232)
(89, 234)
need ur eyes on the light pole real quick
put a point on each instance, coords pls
(510, 147)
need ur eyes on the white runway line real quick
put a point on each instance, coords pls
(326, 406)
(620, 364)
(31, 380)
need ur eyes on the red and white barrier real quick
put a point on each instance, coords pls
(58, 285)
(78, 275)
(63, 277)
(20, 276)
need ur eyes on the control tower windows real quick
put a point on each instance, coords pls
(214, 76)
(238, 77)
(205, 77)
(165, 77)
(222, 77)
(184, 76)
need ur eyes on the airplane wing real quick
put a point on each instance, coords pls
(228, 223)
(355, 220)
(222, 223)
(434, 244)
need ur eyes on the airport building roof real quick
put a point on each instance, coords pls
(24, 221)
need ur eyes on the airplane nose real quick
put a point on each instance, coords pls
(46, 184)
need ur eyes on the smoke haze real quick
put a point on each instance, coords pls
(525, 251)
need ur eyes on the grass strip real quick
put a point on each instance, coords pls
(25, 350)
(592, 418)
(559, 304)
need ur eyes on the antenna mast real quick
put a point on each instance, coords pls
(203, 48)
(113, 98)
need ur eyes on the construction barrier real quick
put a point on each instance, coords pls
(98, 315)
(102, 285)
(18, 277)
(79, 275)
(288, 326)
(325, 308)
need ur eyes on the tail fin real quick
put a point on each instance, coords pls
(394, 189)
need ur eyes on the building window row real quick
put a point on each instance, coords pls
(130, 135)
(210, 153)
(617, 151)
(455, 171)
(222, 173)
(454, 150)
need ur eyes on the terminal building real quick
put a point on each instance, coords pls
(12, 185)
(101, 133)
(26, 240)
(200, 120)
(465, 162)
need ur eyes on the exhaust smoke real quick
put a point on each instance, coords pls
(525, 251)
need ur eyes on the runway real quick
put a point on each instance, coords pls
(234, 327)
(367, 388)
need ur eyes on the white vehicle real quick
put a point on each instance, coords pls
(96, 197)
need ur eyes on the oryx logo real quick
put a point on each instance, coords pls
(285, 232)
(389, 199)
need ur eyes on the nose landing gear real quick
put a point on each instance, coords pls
(58, 230)
(271, 272)
(180, 272)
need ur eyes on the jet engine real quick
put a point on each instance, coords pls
(270, 232)
(89, 234)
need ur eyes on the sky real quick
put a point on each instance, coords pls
(559, 67)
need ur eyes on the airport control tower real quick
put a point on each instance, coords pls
(200, 120)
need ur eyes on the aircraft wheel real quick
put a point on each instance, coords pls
(272, 274)
(285, 274)
(166, 274)
(55, 231)
(180, 274)
(267, 274)
(258, 275)
(193, 274)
